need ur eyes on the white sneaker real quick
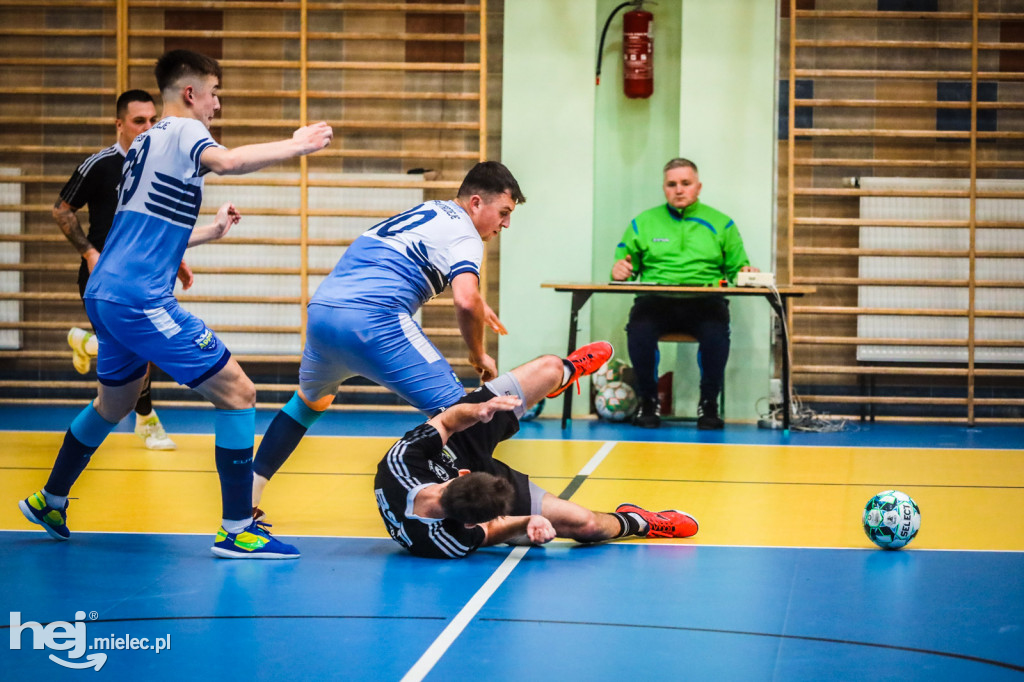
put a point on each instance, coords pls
(150, 430)
(77, 339)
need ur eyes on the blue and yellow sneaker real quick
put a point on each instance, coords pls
(53, 521)
(255, 542)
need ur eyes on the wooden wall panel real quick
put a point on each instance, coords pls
(401, 86)
(876, 78)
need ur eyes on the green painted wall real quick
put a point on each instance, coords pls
(728, 128)
(633, 140)
(589, 159)
(548, 143)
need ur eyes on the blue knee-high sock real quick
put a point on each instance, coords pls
(234, 434)
(86, 433)
(283, 436)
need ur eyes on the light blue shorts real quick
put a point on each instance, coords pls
(385, 346)
(174, 339)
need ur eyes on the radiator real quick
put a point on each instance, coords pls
(10, 253)
(252, 197)
(939, 298)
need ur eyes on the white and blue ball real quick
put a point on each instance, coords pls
(891, 519)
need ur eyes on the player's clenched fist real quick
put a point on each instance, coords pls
(314, 137)
(539, 530)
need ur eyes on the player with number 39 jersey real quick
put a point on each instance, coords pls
(131, 305)
(160, 195)
(360, 322)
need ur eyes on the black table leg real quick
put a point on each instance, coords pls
(779, 306)
(786, 394)
(579, 298)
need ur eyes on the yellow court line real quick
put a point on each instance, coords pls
(743, 495)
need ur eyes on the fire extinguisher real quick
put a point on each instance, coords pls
(637, 50)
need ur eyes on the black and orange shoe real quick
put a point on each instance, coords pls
(584, 361)
(670, 523)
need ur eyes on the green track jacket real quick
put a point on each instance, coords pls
(698, 247)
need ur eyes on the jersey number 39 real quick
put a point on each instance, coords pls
(134, 162)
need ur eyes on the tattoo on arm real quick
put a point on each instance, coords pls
(67, 221)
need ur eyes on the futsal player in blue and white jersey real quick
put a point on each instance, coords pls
(360, 319)
(131, 304)
(95, 184)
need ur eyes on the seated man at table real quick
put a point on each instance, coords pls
(688, 243)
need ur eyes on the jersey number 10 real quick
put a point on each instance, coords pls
(393, 226)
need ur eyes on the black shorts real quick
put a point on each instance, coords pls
(474, 449)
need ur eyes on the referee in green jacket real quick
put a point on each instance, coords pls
(688, 243)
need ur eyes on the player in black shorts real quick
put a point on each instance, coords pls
(94, 184)
(442, 494)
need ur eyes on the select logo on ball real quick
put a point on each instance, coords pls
(891, 519)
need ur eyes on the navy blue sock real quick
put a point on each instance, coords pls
(283, 436)
(85, 434)
(234, 434)
(144, 405)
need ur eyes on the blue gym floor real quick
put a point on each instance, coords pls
(724, 606)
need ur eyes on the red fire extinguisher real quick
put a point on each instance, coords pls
(637, 54)
(637, 50)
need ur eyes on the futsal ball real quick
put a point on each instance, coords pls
(891, 519)
(616, 402)
(532, 412)
(609, 372)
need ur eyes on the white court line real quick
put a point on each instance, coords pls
(440, 645)
(597, 459)
(436, 650)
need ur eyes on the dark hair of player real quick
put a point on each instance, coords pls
(177, 64)
(489, 178)
(129, 96)
(680, 163)
(477, 497)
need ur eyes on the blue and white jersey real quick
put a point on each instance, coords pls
(158, 203)
(406, 260)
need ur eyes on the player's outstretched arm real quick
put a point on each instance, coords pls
(252, 157)
(227, 216)
(461, 416)
(504, 528)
